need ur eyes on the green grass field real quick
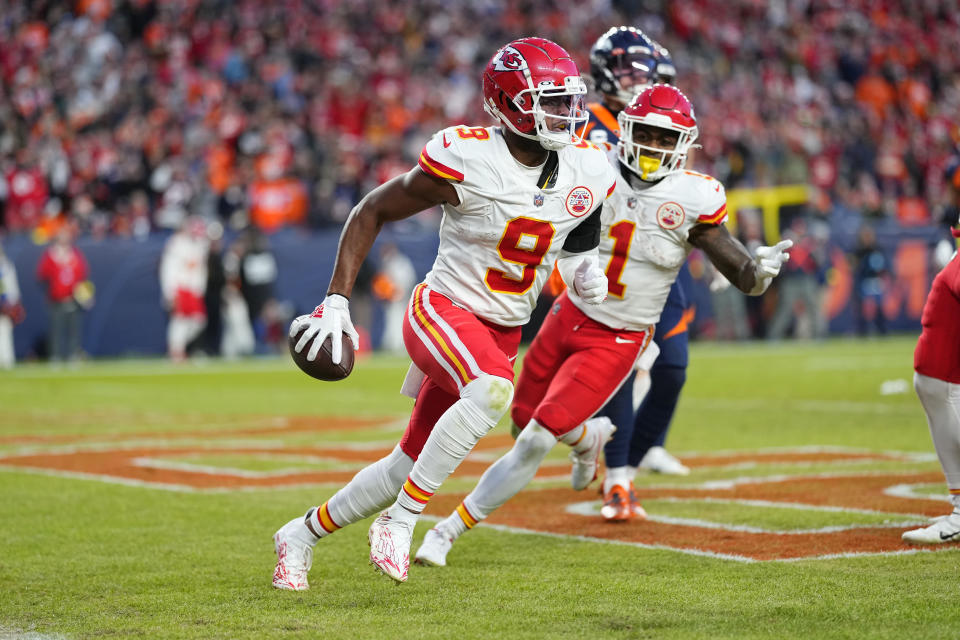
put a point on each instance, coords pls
(84, 558)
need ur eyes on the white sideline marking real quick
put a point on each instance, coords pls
(213, 470)
(204, 446)
(591, 508)
(693, 552)
(910, 491)
(733, 482)
(640, 545)
(79, 475)
(142, 484)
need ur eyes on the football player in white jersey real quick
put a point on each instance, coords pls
(517, 198)
(582, 353)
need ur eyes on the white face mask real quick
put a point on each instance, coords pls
(651, 162)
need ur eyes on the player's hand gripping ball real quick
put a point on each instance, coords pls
(322, 367)
(323, 342)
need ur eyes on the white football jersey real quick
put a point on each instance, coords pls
(499, 245)
(644, 243)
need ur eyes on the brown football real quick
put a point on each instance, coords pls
(322, 368)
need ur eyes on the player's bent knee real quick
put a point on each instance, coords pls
(491, 394)
(534, 442)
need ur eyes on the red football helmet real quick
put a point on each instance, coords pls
(525, 77)
(661, 106)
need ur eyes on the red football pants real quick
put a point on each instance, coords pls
(452, 347)
(573, 367)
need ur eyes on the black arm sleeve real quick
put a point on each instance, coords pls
(586, 235)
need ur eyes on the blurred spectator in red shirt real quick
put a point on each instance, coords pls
(64, 270)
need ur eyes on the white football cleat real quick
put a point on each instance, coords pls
(434, 548)
(659, 460)
(389, 540)
(294, 546)
(585, 462)
(944, 529)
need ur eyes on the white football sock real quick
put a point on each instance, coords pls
(373, 489)
(481, 405)
(577, 438)
(508, 475)
(458, 522)
(616, 476)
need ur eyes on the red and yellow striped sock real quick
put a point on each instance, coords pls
(412, 497)
(319, 521)
(468, 519)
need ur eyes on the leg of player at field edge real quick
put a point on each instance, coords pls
(941, 403)
(458, 353)
(653, 421)
(372, 489)
(586, 378)
(667, 377)
(619, 501)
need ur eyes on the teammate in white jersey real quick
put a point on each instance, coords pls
(583, 353)
(516, 199)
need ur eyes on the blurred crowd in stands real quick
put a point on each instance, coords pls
(128, 115)
(125, 117)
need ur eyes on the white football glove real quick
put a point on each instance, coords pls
(590, 282)
(767, 264)
(330, 318)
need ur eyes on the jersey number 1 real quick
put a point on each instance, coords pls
(622, 234)
(530, 257)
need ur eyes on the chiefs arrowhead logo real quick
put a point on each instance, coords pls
(509, 59)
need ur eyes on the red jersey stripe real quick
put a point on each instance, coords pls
(716, 217)
(438, 169)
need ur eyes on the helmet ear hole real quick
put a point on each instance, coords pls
(505, 100)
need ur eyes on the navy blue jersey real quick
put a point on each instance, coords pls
(602, 128)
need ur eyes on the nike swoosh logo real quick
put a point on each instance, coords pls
(949, 535)
(445, 143)
(620, 340)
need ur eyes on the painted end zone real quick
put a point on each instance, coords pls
(550, 511)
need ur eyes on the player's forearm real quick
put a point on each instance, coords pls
(396, 199)
(728, 255)
(736, 265)
(359, 233)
